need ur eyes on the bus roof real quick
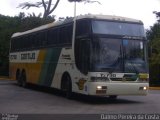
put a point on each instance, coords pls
(103, 17)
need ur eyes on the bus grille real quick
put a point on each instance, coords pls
(126, 77)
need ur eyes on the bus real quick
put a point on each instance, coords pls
(108, 56)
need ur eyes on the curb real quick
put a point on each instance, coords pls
(5, 78)
(154, 88)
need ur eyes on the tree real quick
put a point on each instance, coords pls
(85, 1)
(153, 35)
(157, 15)
(48, 6)
(10, 25)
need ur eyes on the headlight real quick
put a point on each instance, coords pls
(99, 87)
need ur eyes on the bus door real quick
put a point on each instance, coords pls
(82, 55)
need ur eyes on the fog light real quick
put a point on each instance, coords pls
(143, 88)
(99, 87)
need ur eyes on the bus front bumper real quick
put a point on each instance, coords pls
(112, 88)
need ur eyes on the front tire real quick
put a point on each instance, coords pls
(68, 89)
(66, 86)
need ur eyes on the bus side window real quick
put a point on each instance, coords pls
(66, 34)
(62, 35)
(52, 36)
(28, 42)
(21, 43)
(82, 27)
(69, 34)
(33, 40)
(38, 40)
(13, 44)
(43, 38)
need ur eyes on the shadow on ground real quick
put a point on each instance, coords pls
(81, 98)
(76, 97)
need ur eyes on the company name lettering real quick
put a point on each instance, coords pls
(13, 57)
(28, 56)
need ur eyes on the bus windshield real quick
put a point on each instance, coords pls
(117, 28)
(118, 55)
(134, 56)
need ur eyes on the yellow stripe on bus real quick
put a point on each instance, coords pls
(33, 70)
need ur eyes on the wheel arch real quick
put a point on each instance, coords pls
(63, 78)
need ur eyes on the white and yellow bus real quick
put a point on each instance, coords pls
(108, 58)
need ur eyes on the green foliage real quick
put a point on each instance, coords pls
(153, 35)
(10, 25)
(85, 1)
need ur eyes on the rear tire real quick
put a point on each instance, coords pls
(18, 78)
(23, 79)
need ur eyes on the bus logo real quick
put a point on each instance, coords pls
(81, 83)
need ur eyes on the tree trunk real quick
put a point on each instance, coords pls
(47, 9)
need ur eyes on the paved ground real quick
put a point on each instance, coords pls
(17, 100)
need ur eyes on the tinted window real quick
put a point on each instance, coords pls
(117, 28)
(53, 36)
(69, 34)
(66, 34)
(82, 54)
(62, 35)
(83, 27)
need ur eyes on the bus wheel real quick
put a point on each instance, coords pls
(66, 86)
(18, 78)
(23, 79)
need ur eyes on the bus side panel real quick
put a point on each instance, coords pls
(32, 67)
(48, 68)
(39, 71)
(12, 70)
(33, 70)
(66, 65)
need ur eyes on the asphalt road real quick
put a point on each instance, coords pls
(18, 100)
